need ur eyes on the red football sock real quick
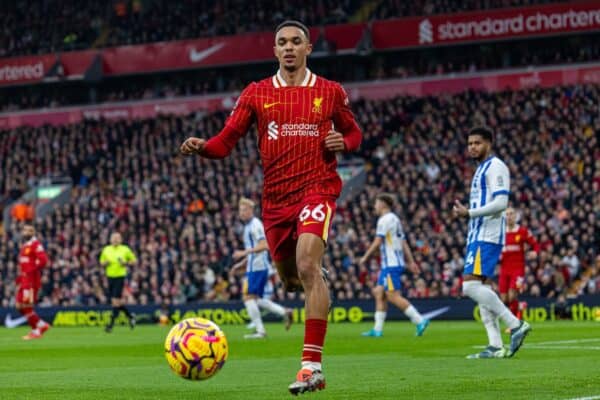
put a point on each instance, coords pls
(32, 317)
(514, 307)
(314, 337)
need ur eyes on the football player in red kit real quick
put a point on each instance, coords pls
(303, 120)
(32, 258)
(512, 264)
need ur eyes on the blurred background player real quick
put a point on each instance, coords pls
(255, 259)
(116, 257)
(512, 263)
(303, 121)
(269, 291)
(32, 258)
(490, 188)
(393, 250)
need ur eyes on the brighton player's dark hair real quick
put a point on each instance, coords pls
(483, 131)
(388, 198)
(294, 23)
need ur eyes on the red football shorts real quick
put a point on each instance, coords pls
(284, 225)
(26, 295)
(510, 280)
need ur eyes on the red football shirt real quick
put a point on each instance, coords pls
(513, 253)
(32, 258)
(292, 125)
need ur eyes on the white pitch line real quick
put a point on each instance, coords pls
(570, 341)
(586, 398)
(542, 347)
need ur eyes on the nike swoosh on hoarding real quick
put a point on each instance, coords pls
(13, 323)
(197, 56)
(435, 313)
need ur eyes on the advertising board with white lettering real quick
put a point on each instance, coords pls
(585, 308)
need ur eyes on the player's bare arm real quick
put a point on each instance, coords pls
(334, 142)
(459, 210)
(260, 247)
(412, 265)
(372, 248)
(192, 145)
(239, 266)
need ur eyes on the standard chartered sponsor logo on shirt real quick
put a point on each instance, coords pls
(300, 130)
(287, 129)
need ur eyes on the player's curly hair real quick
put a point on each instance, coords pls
(483, 131)
(388, 198)
(294, 23)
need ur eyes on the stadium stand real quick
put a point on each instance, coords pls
(48, 26)
(179, 214)
(403, 64)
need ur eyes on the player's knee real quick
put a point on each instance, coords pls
(308, 269)
(291, 283)
(378, 293)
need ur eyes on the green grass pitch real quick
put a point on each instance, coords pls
(560, 360)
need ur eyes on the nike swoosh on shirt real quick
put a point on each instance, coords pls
(13, 323)
(269, 105)
(310, 223)
(197, 56)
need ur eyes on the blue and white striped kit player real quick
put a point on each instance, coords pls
(486, 232)
(488, 201)
(393, 251)
(257, 269)
(389, 229)
(258, 288)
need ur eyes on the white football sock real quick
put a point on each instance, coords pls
(271, 306)
(379, 320)
(492, 327)
(41, 323)
(313, 366)
(413, 315)
(254, 314)
(486, 297)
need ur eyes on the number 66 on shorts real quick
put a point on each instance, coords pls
(284, 225)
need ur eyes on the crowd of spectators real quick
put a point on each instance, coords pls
(404, 64)
(45, 26)
(179, 214)
(65, 94)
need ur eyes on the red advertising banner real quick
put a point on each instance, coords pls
(75, 64)
(493, 81)
(225, 50)
(433, 30)
(19, 70)
(508, 23)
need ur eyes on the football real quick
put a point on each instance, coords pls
(196, 349)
